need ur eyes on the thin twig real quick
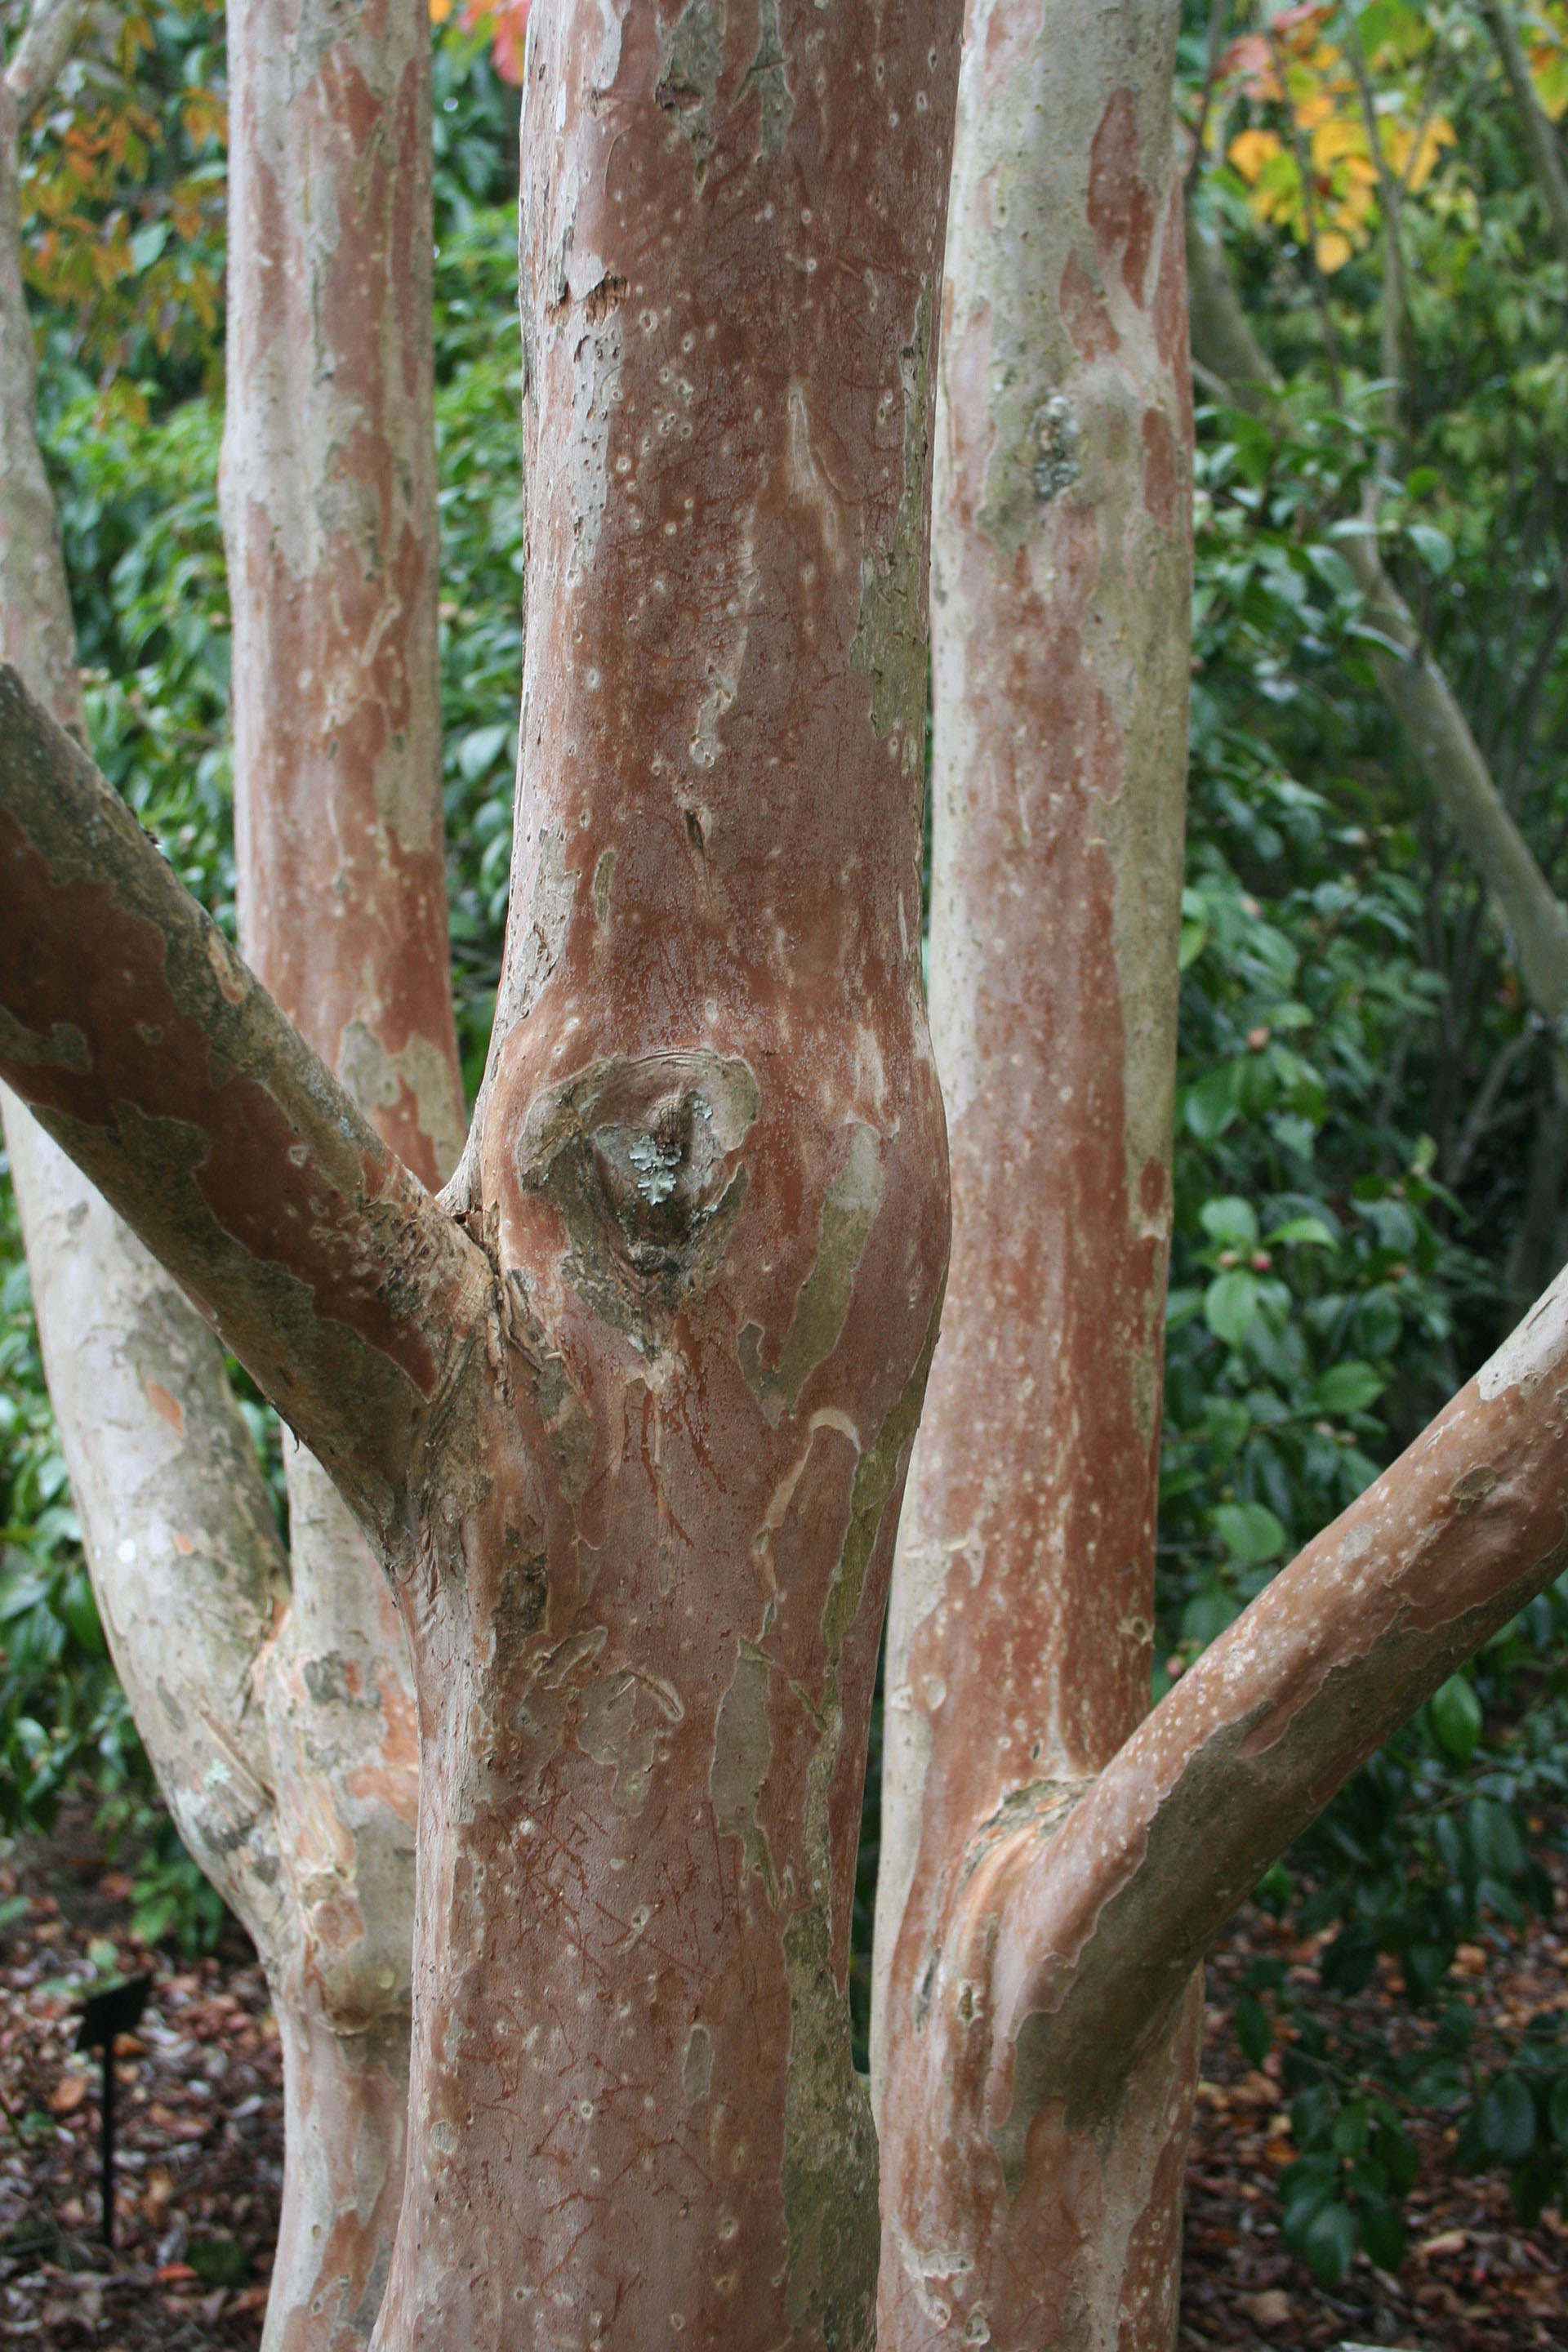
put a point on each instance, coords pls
(1217, 15)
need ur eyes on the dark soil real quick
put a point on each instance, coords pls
(201, 2152)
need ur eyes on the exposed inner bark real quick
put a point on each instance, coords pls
(1019, 1650)
(329, 515)
(636, 1466)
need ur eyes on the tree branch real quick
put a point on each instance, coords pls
(1421, 698)
(176, 1524)
(1545, 154)
(1224, 346)
(165, 1071)
(41, 52)
(1095, 1929)
(1412, 684)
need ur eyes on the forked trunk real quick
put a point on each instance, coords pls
(628, 1413)
(1019, 1647)
(646, 1580)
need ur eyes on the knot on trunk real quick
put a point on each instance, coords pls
(642, 1160)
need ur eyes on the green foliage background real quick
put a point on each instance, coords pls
(1365, 1111)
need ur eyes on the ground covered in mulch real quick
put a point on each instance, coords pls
(1475, 2279)
(200, 2110)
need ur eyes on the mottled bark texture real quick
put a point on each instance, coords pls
(331, 525)
(282, 1735)
(1019, 1648)
(629, 1425)
(1067, 1978)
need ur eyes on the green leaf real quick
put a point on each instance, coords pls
(1328, 2243)
(1302, 1231)
(220, 2261)
(480, 749)
(1250, 1532)
(1230, 1307)
(1333, 571)
(1507, 2120)
(1253, 2030)
(148, 244)
(1434, 547)
(1348, 1388)
(1207, 1614)
(81, 1613)
(1456, 1718)
(1231, 1221)
(1381, 2233)
(1557, 2112)
(1211, 1104)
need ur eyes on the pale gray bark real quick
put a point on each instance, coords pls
(1225, 347)
(41, 53)
(1422, 699)
(176, 1523)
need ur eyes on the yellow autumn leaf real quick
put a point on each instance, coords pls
(1438, 135)
(1361, 170)
(1549, 72)
(1249, 150)
(1314, 110)
(1337, 138)
(439, 11)
(1354, 209)
(1333, 251)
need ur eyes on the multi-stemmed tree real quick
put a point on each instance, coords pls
(625, 1412)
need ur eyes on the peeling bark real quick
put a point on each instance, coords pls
(709, 1161)
(636, 1469)
(35, 633)
(1019, 1646)
(1070, 1962)
(330, 516)
(174, 1082)
(282, 1731)
(176, 1524)
(330, 526)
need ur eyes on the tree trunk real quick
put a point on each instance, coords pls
(283, 1737)
(708, 1171)
(627, 1415)
(1020, 1641)
(330, 528)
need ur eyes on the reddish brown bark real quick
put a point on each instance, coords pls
(334, 552)
(710, 1163)
(1068, 1962)
(1020, 1646)
(172, 1079)
(329, 494)
(647, 1518)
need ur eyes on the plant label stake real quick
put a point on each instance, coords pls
(114, 2011)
